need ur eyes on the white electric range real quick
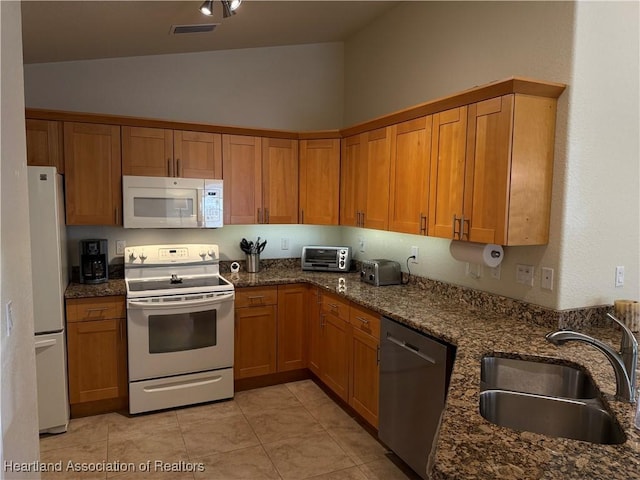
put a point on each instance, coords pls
(180, 324)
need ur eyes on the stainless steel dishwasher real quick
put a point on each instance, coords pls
(414, 372)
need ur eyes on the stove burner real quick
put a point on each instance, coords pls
(175, 278)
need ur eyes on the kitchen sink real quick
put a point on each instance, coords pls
(536, 377)
(545, 398)
(585, 420)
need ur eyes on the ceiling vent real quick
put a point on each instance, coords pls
(197, 28)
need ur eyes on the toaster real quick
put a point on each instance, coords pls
(381, 272)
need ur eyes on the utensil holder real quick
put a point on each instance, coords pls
(253, 262)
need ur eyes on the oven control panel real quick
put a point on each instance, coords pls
(170, 254)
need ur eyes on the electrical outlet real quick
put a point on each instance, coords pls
(362, 244)
(284, 244)
(414, 254)
(524, 274)
(474, 270)
(120, 246)
(619, 276)
(546, 278)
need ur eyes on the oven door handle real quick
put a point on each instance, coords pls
(182, 303)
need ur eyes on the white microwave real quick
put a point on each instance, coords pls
(167, 202)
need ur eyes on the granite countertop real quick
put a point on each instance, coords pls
(468, 446)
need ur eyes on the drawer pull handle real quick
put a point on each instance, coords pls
(363, 320)
(100, 309)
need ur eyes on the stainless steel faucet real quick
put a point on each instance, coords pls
(624, 362)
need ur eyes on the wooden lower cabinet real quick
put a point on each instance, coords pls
(364, 362)
(292, 313)
(334, 360)
(293, 327)
(97, 355)
(255, 332)
(270, 330)
(334, 344)
(314, 330)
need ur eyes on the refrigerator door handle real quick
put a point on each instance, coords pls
(45, 343)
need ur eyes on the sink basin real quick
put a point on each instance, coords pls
(498, 373)
(557, 417)
(545, 398)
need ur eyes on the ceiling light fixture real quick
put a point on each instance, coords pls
(207, 8)
(229, 7)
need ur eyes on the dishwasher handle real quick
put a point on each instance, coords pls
(411, 348)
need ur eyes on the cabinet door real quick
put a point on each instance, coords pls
(280, 180)
(353, 175)
(93, 188)
(197, 154)
(335, 354)
(319, 181)
(448, 144)
(313, 330)
(292, 319)
(241, 159)
(378, 158)
(255, 341)
(534, 126)
(147, 152)
(409, 176)
(364, 375)
(44, 144)
(97, 360)
(488, 170)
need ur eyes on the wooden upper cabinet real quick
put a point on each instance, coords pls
(44, 144)
(448, 148)
(147, 151)
(319, 181)
(93, 189)
(242, 165)
(197, 154)
(491, 171)
(487, 170)
(162, 152)
(353, 170)
(364, 179)
(260, 180)
(279, 180)
(378, 158)
(409, 176)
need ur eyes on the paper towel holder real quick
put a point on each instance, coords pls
(490, 255)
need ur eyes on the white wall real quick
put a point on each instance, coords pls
(423, 50)
(18, 378)
(292, 87)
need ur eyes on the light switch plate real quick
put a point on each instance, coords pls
(120, 246)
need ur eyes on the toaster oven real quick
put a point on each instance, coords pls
(326, 258)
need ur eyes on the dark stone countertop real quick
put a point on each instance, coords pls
(468, 446)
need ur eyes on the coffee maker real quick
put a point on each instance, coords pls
(94, 264)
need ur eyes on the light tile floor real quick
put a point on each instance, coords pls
(291, 431)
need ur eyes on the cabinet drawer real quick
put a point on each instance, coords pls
(256, 296)
(335, 305)
(96, 308)
(365, 320)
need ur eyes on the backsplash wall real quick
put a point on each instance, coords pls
(227, 238)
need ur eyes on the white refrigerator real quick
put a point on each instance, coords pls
(50, 277)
